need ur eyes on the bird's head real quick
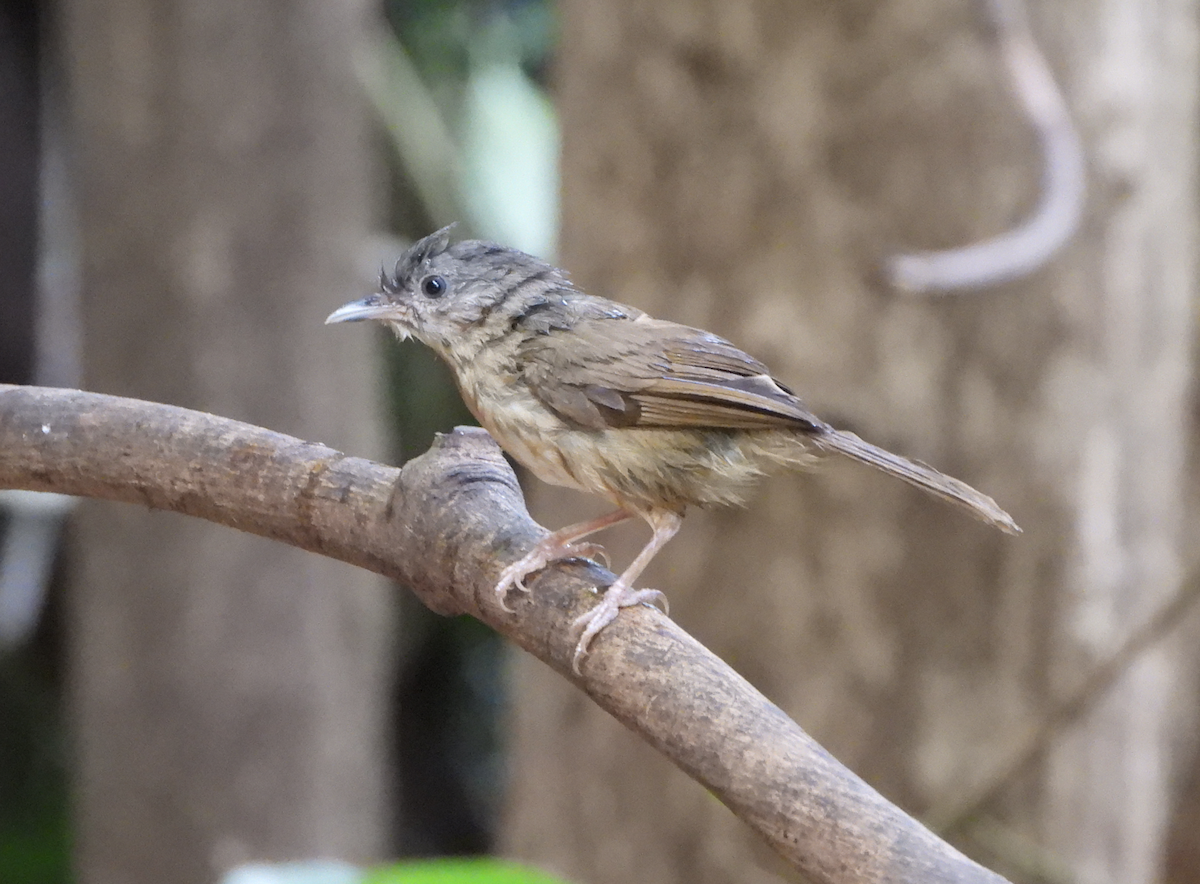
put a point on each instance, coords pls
(456, 298)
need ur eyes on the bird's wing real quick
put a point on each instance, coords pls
(650, 373)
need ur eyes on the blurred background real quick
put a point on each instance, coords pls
(967, 236)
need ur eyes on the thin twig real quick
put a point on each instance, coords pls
(415, 126)
(951, 820)
(1029, 246)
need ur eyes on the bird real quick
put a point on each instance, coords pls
(598, 396)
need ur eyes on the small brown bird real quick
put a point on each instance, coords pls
(594, 395)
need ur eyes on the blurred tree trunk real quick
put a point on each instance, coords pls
(1183, 849)
(19, 107)
(228, 693)
(744, 167)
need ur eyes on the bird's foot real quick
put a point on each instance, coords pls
(616, 597)
(547, 551)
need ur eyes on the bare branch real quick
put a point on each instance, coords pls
(446, 525)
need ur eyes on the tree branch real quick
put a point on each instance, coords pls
(445, 525)
(1030, 245)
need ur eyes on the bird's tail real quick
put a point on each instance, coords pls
(925, 477)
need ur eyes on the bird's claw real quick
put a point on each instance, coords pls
(515, 575)
(614, 599)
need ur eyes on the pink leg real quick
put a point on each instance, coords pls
(622, 594)
(562, 544)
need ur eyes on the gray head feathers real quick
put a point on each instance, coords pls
(418, 253)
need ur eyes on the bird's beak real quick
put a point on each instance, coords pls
(370, 307)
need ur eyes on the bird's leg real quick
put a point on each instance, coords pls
(622, 594)
(561, 544)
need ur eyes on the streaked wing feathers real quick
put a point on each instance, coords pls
(652, 373)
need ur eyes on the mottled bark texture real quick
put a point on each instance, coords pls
(745, 167)
(228, 695)
(446, 524)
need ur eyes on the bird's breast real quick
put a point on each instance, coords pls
(517, 420)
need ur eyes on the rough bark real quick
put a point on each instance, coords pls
(446, 525)
(745, 167)
(227, 694)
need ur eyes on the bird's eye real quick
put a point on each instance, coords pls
(433, 286)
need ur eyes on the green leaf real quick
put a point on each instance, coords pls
(481, 870)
